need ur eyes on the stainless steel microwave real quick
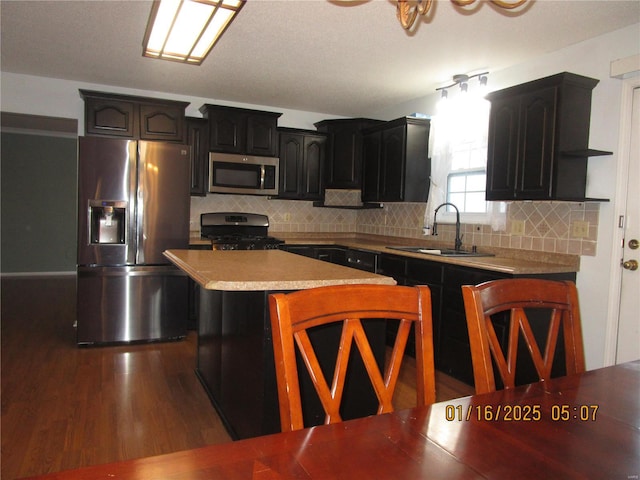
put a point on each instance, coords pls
(229, 173)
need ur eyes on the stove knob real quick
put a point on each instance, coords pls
(251, 246)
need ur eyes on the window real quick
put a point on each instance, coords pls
(459, 158)
(466, 190)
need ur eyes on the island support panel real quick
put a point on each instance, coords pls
(236, 367)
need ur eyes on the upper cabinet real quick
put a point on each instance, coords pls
(302, 155)
(396, 164)
(344, 151)
(196, 135)
(538, 139)
(138, 118)
(242, 131)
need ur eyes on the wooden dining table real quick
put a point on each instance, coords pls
(579, 426)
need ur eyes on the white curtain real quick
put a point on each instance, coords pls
(463, 119)
(441, 140)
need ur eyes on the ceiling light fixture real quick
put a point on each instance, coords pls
(186, 30)
(463, 81)
(408, 10)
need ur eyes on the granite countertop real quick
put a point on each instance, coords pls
(252, 270)
(505, 260)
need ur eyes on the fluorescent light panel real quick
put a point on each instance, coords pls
(186, 30)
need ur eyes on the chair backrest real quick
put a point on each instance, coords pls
(558, 298)
(293, 314)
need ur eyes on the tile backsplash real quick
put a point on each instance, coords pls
(555, 227)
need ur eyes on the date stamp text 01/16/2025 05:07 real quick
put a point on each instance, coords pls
(520, 413)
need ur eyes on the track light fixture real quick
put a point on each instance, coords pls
(463, 81)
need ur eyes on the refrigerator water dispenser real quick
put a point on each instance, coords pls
(107, 222)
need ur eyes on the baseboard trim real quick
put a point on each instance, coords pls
(37, 274)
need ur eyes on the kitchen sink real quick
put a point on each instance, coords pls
(443, 252)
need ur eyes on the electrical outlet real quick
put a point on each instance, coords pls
(580, 229)
(287, 217)
(517, 227)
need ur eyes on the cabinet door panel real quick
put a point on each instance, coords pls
(197, 136)
(425, 271)
(392, 266)
(226, 132)
(291, 146)
(536, 160)
(502, 149)
(110, 117)
(344, 167)
(261, 135)
(371, 166)
(314, 153)
(393, 164)
(159, 122)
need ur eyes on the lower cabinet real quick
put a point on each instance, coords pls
(452, 353)
(408, 271)
(450, 335)
(192, 318)
(328, 253)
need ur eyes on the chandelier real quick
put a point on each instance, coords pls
(408, 10)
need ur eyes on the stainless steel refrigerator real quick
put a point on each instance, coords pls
(133, 203)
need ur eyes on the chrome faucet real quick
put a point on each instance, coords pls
(434, 231)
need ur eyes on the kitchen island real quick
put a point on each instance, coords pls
(235, 355)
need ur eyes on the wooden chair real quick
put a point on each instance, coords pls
(294, 314)
(559, 298)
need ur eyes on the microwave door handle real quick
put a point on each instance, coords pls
(262, 174)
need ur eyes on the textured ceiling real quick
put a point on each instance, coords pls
(335, 57)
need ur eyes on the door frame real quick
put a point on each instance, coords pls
(620, 205)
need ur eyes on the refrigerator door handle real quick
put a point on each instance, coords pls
(133, 204)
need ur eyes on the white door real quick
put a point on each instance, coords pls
(628, 344)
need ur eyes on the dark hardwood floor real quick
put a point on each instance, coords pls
(64, 407)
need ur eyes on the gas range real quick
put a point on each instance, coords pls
(237, 231)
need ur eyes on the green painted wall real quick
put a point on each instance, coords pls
(38, 203)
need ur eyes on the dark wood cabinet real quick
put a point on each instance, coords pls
(344, 153)
(194, 293)
(242, 131)
(538, 139)
(302, 156)
(362, 259)
(196, 135)
(327, 253)
(396, 164)
(138, 118)
(452, 352)
(409, 271)
(236, 367)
